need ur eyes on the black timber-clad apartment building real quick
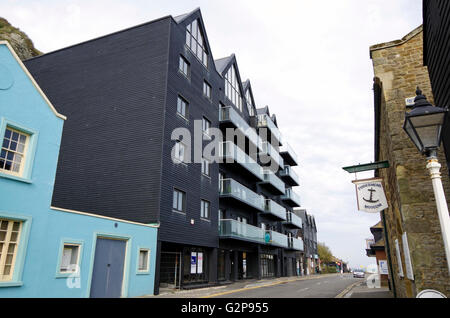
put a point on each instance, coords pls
(436, 56)
(309, 235)
(131, 97)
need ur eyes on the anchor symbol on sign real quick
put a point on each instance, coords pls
(371, 196)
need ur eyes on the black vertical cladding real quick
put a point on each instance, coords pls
(436, 43)
(112, 90)
(177, 227)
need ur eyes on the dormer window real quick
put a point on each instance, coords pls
(232, 90)
(196, 42)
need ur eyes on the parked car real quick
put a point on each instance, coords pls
(358, 273)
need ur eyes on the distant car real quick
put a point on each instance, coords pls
(358, 274)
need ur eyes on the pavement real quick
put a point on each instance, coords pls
(240, 287)
(362, 290)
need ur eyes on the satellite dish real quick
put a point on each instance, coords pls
(430, 293)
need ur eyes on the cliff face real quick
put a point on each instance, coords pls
(20, 42)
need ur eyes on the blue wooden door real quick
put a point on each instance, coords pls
(107, 274)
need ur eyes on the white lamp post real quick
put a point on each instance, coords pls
(423, 124)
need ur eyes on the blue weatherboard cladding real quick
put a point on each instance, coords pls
(113, 90)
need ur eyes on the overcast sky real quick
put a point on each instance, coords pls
(308, 60)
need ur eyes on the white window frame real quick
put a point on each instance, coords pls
(183, 194)
(179, 151)
(16, 154)
(5, 246)
(206, 126)
(207, 89)
(205, 209)
(147, 269)
(180, 103)
(76, 266)
(184, 67)
(206, 167)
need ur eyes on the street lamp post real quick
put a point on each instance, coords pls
(423, 124)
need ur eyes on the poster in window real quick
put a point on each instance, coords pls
(383, 267)
(193, 262)
(200, 263)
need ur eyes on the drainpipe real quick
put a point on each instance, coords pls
(388, 253)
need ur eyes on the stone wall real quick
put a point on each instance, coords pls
(398, 68)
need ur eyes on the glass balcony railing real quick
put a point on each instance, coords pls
(229, 150)
(268, 150)
(288, 172)
(294, 220)
(229, 114)
(276, 239)
(232, 188)
(275, 209)
(292, 197)
(264, 121)
(241, 231)
(296, 244)
(289, 154)
(272, 179)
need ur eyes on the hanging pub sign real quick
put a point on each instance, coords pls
(370, 195)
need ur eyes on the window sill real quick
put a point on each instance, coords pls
(179, 212)
(206, 220)
(67, 275)
(143, 272)
(206, 176)
(11, 284)
(186, 77)
(182, 117)
(16, 178)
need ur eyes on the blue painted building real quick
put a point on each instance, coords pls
(46, 251)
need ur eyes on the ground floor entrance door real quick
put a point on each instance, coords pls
(109, 263)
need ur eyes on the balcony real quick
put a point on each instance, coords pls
(272, 182)
(228, 115)
(276, 239)
(289, 155)
(230, 188)
(268, 152)
(289, 176)
(264, 121)
(293, 221)
(275, 210)
(232, 229)
(295, 244)
(231, 153)
(291, 198)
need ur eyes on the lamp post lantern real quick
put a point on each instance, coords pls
(423, 124)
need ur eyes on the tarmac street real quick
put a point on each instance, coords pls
(316, 286)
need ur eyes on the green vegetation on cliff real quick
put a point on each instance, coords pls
(20, 42)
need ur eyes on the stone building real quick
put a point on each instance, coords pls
(414, 244)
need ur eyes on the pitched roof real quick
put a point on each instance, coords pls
(25, 70)
(221, 64)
